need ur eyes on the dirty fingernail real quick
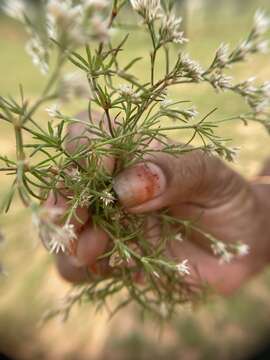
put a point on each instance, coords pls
(139, 184)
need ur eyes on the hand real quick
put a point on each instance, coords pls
(193, 186)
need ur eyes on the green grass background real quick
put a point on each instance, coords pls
(223, 329)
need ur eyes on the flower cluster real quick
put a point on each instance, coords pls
(169, 30)
(70, 24)
(227, 253)
(81, 23)
(150, 10)
(55, 238)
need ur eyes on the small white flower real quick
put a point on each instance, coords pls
(15, 9)
(74, 85)
(53, 111)
(100, 28)
(156, 274)
(222, 55)
(221, 81)
(233, 154)
(85, 200)
(51, 26)
(107, 198)
(263, 47)
(190, 113)
(265, 88)
(179, 237)
(242, 50)
(98, 5)
(165, 103)
(183, 268)
(220, 249)
(226, 258)
(115, 260)
(39, 54)
(127, 91)
(170, 30)
(62, 239)
(261, 22)
(247, 88)
(242, 249)
(54, 237)
(191, 68)
(150, 10)
(63, 12)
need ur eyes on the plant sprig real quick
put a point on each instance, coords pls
(131, 117)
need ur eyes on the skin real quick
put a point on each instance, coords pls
(192, 186)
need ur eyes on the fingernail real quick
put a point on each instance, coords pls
(139, 184)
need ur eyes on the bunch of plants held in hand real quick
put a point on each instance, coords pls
(90, 36)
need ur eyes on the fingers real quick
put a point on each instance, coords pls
(164, 180)
(70, 272)
(92, 243)
(83, 264)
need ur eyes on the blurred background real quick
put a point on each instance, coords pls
(227, 329)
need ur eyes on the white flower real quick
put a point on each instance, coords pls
(150, 10)
(190, 113)
(62, 239)
(63, 12)
(156, 274)
(72, 85)
(127, 91)
(220, 249)
(165, 103)
(53, 111)
(242, 50)
(183, 268)
(38, 53)
(263, 47)
(95, 4)
(261, 22)
(265, 88)
(242, 249)
(222, 55)
(221, 81)
(79, 23)
(85, 200)
(107, 198)
(179, 237)
(226, 258)
(191, 68)
(233, 154)
(100, 28)
(116, 260)
(246, 87)
(170, 30)
(15, 9)
(55, 238)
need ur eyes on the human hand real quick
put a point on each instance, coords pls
(194, 186)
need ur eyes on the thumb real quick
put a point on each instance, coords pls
(164, 180)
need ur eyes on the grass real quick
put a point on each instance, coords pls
(225, 326)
